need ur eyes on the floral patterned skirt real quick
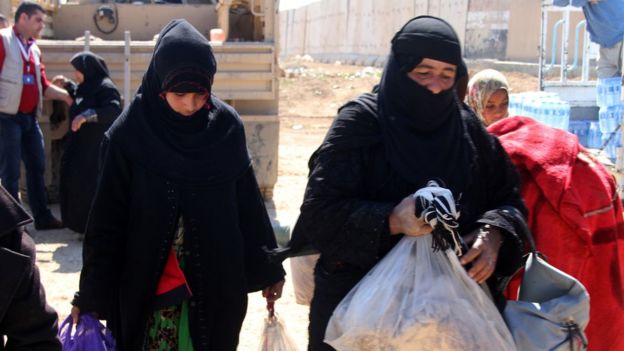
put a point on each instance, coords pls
(169, 329)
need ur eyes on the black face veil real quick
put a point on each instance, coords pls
(422, 132)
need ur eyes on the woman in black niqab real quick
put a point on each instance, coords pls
(97, 104)
(387, 144)
(176, 233)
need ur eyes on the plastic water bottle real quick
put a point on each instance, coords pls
(611, 145)
(603, 119)
(612, 96)
(600, 93)
(564, 115)
(546, 112)
(610, 118)
(581, 130)
(594, 135)
(608, 91)
(528, 108)
(514, 105)
(616, 121)
(538, 110)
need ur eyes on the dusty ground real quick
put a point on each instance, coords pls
(310, 93)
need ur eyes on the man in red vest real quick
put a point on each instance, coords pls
(23, 84)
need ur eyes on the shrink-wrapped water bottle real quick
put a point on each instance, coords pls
(562, 113)
(610, 118)
(608, 91)
(546, 113)
(581, 130)
(515, 105)
(594, 136)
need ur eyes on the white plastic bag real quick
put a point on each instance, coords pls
(417, 299)
(274, 336)
(302, 277)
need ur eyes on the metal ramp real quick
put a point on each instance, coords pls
(564, 71)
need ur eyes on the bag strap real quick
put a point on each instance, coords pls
(523, 228)
(574, 334)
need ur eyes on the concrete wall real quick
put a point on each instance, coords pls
(360, 30)
(487, 29)
(524, 31)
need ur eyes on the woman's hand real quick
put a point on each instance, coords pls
(273, 292)
(60, 80)
(78, 122)
(484, 253)
(403, 219)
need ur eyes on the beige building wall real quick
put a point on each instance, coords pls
(358, 30)
(524, 32)
(361, 30)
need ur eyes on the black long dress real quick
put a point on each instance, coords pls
(384, 146)
(352, 191)
(79, 165)
(158, 167)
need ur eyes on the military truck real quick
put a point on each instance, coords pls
(123, 33)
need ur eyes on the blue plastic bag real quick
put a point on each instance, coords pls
(90, 335)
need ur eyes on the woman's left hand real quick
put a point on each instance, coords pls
(77, 123)
(273, 292)
(483, 254)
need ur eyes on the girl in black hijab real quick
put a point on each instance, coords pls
(387, 144)
(175, 235)
(96, 105)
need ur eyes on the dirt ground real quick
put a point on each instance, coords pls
(310, 94)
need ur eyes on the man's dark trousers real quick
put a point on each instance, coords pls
(21, 139)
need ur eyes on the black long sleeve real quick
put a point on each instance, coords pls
(257, 232)
(109, 104)
(336, 216)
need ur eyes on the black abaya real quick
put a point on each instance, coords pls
(79, 165)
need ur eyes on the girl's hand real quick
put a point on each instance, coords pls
(273, 292)
(483, 254)
(75, 313)
(403, 219)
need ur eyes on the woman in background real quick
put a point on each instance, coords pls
(96, 105)
(575, 212)
(488, 96)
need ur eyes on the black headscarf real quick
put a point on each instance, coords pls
(207, 147)
(94, 70)
(423, 134)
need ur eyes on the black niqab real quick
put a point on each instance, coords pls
(423, 134)
(207, 147)
(94, 70)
